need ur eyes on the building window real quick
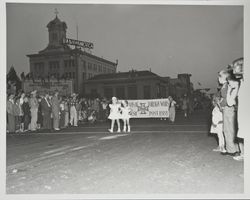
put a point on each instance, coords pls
(108, 92)
(89, 66)
(104, 69)
(39, 68)
(132, 92)
(65, 64)
(83, 76)
(54, 66)
(100, 68)
(93, 91)
(84, 65)
(146, 92)
(90, 75)
(54, 36)
(120, 92)
(95, 67)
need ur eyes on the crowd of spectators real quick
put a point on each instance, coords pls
(31, 112)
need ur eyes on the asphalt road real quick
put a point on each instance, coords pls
(156, 157)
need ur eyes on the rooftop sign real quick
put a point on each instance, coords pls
(78, 43)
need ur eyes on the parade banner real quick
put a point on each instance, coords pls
(64, 87)
(149, 108)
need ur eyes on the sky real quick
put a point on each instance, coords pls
(168, 39)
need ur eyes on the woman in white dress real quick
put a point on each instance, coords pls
(172, 104)
(125, 115)
(115, 115)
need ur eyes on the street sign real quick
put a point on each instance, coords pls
(78, 43)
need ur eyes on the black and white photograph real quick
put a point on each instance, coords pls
(125, 99)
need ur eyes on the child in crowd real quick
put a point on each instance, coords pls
(217, 124)
(115, 114)
(125, 115)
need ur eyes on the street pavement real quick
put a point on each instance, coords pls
(156, 157)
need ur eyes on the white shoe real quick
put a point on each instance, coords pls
(239, 158)
(217, 149)
(110, 130)
(124, 130)
(57, 129)
(118, 131)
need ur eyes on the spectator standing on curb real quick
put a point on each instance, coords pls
(33, 110)
(46, 112)
(228, 102)
(55, 104)
(73, 111)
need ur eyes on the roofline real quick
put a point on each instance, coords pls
(70, 51)
(124, 79)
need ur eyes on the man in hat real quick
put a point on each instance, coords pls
(46, 111)
(33, 110)
(55, 105)
(11, 114)
(73, 111)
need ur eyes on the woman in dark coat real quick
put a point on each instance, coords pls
(26, 113)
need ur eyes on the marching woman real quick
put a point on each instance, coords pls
(172, 104)
(125, 115)
(115, 114)
(185, 105)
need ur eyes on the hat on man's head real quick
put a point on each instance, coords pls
(34, 92)
(11, 96)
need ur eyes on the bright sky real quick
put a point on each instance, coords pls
(169, 39)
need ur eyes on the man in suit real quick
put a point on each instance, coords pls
(228, 93)
(33, 109)
(55, 105)
(46, 111)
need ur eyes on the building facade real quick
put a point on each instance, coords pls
(180, 86)
(59, 60)
(127, 85)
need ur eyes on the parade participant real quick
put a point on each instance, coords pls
(39, 114)
(33, 109)
(96, 107)
(241, 129)
(172, 104)
(104, 106)
(217, 124)
(228, 94)
(73, 111)
(242, 116)
(55, 105)
(125, 116)
(66, 110)
(26, 113)
(115, 114)
(62, 114)
(11, 114)
(46, 111)
(185, 105)
(21, 117)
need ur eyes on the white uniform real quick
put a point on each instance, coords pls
(125, 112)
(114, 111)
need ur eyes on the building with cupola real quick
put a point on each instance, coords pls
(62, 61)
